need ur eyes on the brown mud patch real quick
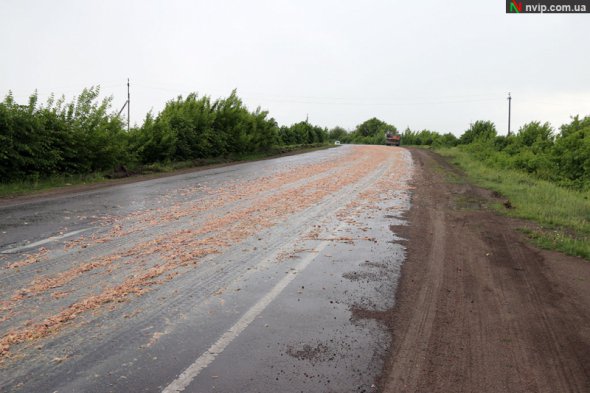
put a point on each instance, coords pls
(478, 308)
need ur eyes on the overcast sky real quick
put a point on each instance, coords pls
(429, 64)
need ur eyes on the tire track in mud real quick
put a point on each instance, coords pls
(487, 312)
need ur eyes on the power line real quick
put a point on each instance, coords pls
(401, 101)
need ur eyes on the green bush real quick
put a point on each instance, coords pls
(427, 138)
(302, 133)
(479, 131)
(338, 134)
(535, 149)
(370, 132)
(571, 154)
(82, 136)
(77, 137)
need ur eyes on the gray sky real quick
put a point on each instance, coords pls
(424, 64)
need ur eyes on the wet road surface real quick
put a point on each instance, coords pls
(259, 277)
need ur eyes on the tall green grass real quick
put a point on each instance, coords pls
(563, 214)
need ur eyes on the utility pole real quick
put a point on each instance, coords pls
(509, 107)
(128, 105)
(129, 108)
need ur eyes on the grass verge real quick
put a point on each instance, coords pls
(563, 215)
(33, 185)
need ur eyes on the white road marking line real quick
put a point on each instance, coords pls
(188, 375)
(14, 250)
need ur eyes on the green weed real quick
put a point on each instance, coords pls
(564, 214)
(28, 185)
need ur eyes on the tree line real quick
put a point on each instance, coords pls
(84, 135)
(561, 156)
(373, 132)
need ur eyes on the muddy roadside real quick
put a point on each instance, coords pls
(478, 308)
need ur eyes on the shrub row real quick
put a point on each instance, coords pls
(562, 157)
(85, 136)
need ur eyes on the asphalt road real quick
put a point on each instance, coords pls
(259, 277)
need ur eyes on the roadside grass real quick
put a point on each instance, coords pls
(33, 185)
(563, 214)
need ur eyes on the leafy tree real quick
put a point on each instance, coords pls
(535, 135)
(77, 137)
(446, 140)
(479, 131)
(373, 127)
(371, 131)
(338, 134)
(427, 137)
(571, 153)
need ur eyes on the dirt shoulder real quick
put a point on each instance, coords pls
(478, 308)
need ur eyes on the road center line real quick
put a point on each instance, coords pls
(188, 375)
(14, 250)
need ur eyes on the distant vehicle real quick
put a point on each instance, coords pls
(391, 139)
(336, 142)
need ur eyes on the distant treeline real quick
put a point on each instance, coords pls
(373, 132)
(562, 157)
(85, 136)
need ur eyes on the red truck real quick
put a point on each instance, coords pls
(391, 139)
